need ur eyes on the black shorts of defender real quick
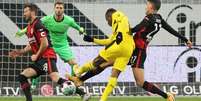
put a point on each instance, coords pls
(138, 58)
(44, 65)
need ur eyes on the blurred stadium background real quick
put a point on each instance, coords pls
(170, 65)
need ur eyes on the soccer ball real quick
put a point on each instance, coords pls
(68, 88)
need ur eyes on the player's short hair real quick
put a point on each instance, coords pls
(156, 3)
(32, 7)
(58, 2)
(110, 11)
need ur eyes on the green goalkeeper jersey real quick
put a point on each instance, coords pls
(58, 30)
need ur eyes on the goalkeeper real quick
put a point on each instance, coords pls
(58, 25)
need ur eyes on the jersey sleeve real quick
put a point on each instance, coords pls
(44, 19)
(144, 23)
(167, 27)
(104, 41)
(40, 30)
(73, 24)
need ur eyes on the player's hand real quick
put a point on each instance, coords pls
(34, 57)
(20, 33)
(88, 38)
(15, 53)
(149, 38)
(189, 44)
(82, 31)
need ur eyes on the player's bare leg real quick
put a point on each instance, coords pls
(23, 79)
(139, 77)
(111, 84)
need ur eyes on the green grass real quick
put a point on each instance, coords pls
(96, 99)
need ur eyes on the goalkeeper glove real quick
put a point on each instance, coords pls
(88, 38)
(82, 31)
(21, 32)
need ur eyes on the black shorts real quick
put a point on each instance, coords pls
(138, 58)
(44, 65)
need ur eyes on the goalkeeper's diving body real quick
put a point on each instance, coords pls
(117, 52)
(58, 25)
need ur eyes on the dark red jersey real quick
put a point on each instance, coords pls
(35, 31)
(148, 27)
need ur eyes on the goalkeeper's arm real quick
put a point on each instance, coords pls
(76, 26)
(21, 32)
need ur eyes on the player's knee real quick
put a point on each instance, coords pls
(72, 62)
(115, 73)
(139, 83)
(29, 72)
(54, 79)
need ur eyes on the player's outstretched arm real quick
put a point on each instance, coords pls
(18, 52)
(76, 26)
(104, 42)
(167, 27)
(21, 32)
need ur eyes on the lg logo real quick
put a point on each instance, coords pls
(184, 17)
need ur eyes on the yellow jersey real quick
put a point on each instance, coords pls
(120, 46)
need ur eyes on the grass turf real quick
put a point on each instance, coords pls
(96, 99)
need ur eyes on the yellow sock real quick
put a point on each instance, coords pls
(86, 67)
(111, 84)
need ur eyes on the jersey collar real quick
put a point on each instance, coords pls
(60, 20)
(34, 20)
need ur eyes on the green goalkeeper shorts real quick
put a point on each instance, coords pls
(65, 53)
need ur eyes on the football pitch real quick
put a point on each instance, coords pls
(97, 99)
